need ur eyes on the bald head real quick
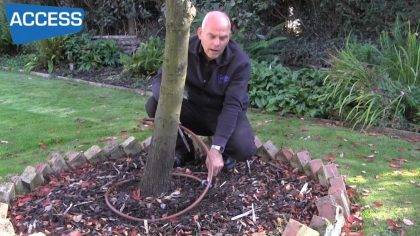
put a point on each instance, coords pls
(216, 18)
(214, 33)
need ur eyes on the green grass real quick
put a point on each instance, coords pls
(38, 116)
(64, 116)
(393, 188)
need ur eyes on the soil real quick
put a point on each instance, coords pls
(74, 201)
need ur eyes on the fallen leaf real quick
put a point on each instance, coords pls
(135, 194)
(378, 204)
(304, 129)
(133, 232)
(123, 134)
(408, 222)
(329, 157)
(42, 146)
(392, 225)
(44, 190)
(23, 200)
(396, 163)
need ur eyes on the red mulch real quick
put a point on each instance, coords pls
(74, 201)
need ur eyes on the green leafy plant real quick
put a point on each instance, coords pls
(373, 85)
(49, 53)
(262, 49)
(16, 62)
(6, 45)
(147, 59)
(89, 54)
(274, 87)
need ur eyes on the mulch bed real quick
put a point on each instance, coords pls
(74, 201)
(106, 75)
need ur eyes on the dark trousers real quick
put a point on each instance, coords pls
(240, 145)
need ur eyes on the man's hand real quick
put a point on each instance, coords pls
(214, 161)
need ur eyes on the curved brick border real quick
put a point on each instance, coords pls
(35, 176)
(332, 209)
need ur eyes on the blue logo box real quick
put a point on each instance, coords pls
(29, 23)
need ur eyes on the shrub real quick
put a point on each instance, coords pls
(147, 59)
(6, 45)
(277, 88)
(49, 53)
(87, 54)
(16, 62)
(377, 85)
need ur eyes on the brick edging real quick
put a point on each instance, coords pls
(35, 176)
(332, 208)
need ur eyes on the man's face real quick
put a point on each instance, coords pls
(214, 38)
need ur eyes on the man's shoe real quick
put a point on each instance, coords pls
(229, 163)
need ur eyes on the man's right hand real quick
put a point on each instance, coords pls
(214, 161)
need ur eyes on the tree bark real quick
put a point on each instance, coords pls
(179, 15)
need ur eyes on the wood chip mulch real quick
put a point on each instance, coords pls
(74, 201)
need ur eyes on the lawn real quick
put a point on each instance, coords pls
(38, 116)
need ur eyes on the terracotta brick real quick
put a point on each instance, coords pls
(131, 146)
(113, 151)
(300, 160)
(257, 142)
(145, 144)
(44, 170)
(20, 188)
(295, 228)
(31, 179)
(6, 227)
(7, 192)
(328, 208)
(267, 151)
(326, 172)
(342, 199)
(321, 224)
(94, 154)
(75, 159)
(57, 162)
(3, 210)
(313, 167)
(336, 184)
(285, 155)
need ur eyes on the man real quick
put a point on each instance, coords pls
(215, 95)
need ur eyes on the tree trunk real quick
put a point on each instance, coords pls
(132, 21)
(179, 15)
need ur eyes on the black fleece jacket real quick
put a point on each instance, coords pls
(218, 86)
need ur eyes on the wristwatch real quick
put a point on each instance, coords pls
(216, 147)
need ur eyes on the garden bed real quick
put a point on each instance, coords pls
(74, 201)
